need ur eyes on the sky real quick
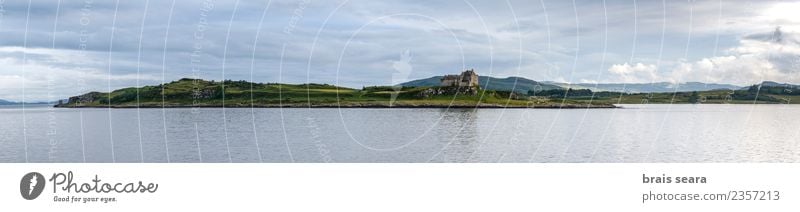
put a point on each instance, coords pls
(55, 49)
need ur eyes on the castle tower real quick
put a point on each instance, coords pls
(467, 78)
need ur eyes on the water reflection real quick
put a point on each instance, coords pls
(458, 131)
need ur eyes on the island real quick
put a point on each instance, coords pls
(454, 91)
(464, 90)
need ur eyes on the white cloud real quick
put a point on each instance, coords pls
(740, 70)
(42, 76)
(638, 73)
(766, 56)
(760, 57)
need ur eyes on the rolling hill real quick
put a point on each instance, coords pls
(6, 102)
(776, 84)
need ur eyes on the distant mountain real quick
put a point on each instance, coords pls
(518, 84)
(659, 87)
(6, 102)
(776, 84)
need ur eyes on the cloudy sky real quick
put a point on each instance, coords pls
(51, 50)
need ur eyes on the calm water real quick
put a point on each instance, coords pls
(637, 133)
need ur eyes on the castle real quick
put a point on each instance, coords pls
(467, 78)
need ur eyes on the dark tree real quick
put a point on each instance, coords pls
(694, 98)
